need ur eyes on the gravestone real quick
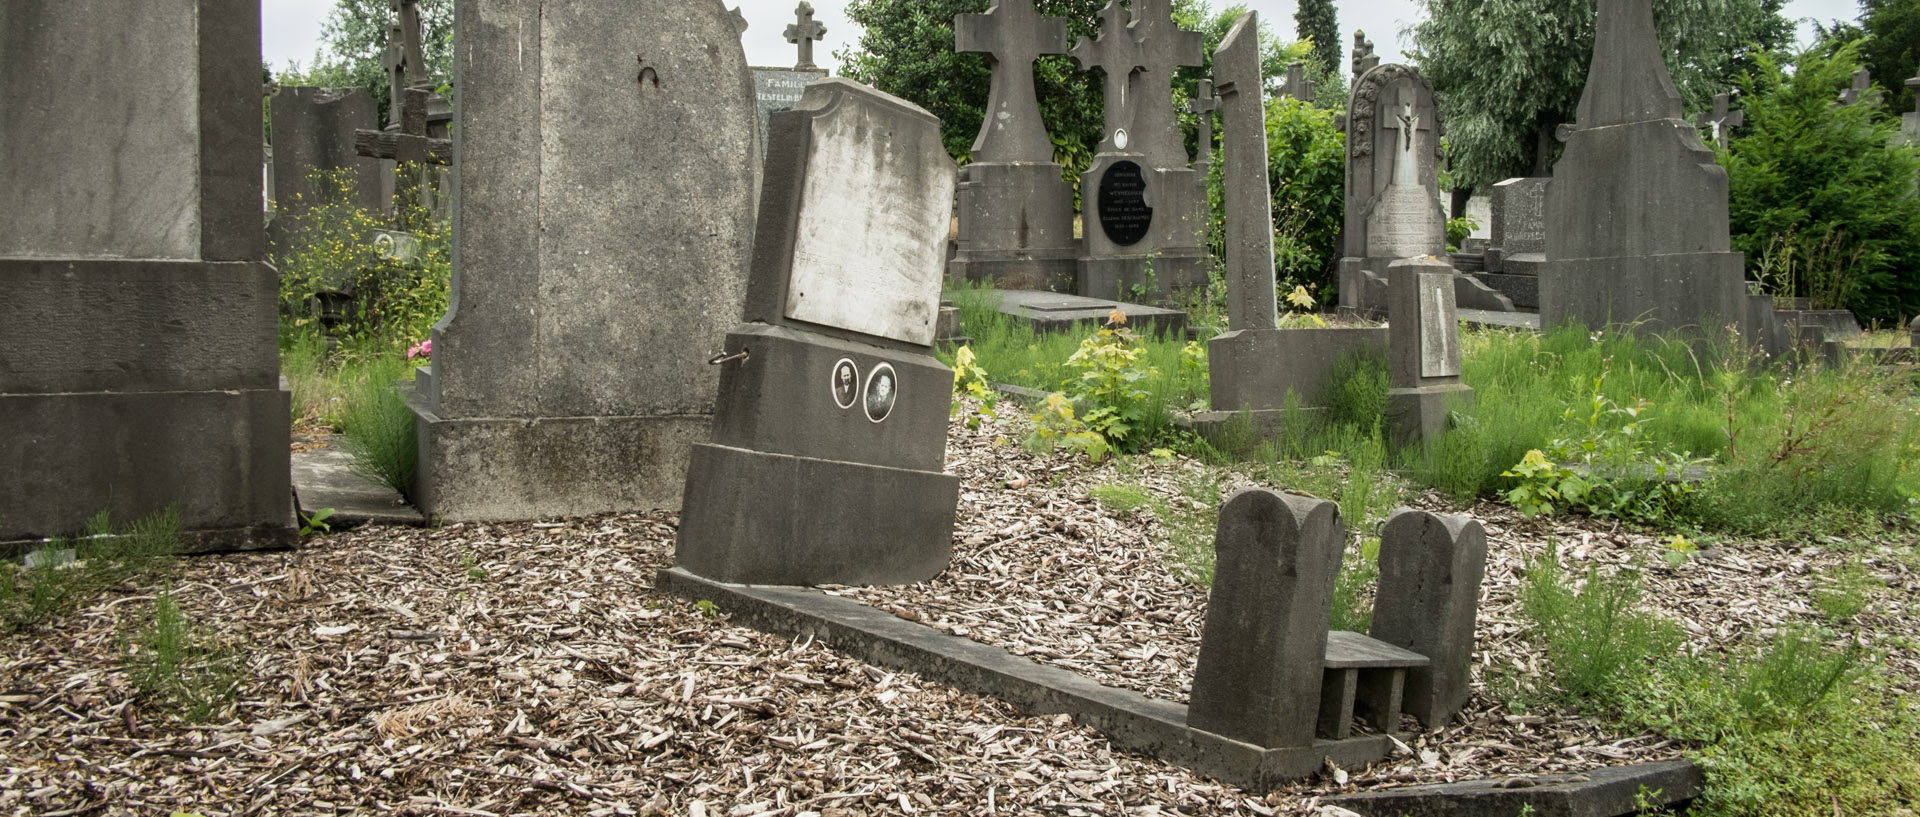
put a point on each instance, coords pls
(1517, 248)
(1637, 224)
(1297, 85)
(1144, 228)
(600, 258)
(1428, 596)
(405, 138)
(139, 362)
(1202, 106)
(1721, 120)
(1423, 358)
(1910, 121)
(313, 133)
(1393, 189)
(779, 89)
(1860, 90)
(1363, 57)
(829, 434)
(1016, 213)
(1258, 678)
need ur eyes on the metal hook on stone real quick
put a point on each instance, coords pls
(723, 357)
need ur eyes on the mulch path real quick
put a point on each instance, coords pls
(531, 668)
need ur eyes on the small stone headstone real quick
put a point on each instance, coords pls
(829, 434)
(779, 89)
(1427, 599)
(1276, 560)
(1423, 362)
(1297, 84)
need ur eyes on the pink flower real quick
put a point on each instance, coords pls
(422, 349)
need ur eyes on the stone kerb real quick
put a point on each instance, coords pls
(829, 434)
(1431, 566)
(1259, 672)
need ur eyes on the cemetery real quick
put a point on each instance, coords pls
(1010, 406)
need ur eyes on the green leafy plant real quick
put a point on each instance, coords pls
(969, 380)
(379, 425)
(173, 665)
(316, 522)
(1542, 486)
(1595, 638)
(1458, 230)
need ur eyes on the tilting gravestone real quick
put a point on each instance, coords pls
(139, 362)
(1143, 216)
(1518, 247)
(1423, 360)
(829, 435)
(601, 256)
(1016, 213)
(1393, 189)
(1637, 226)
(779, 89)
(1255, 365)
(1427, 599)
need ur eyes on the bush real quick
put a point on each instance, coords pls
(329, 247)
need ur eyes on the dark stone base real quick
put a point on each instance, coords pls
(758, 518)
(534, 468)
(1363, 290)
(1256, 368)
(1419, 414)
(1611, 792)
(1522, 290)
(218, 458)
(1129, 719)
(1049, 274)
(1055, 312)
(1700, 292)
(1124, 278)
(1838, 323)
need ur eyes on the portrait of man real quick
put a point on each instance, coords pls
(846, 383)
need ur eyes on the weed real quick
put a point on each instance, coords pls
(316, 522)
(1595, 639)
(474, 571)
(379, 425)
(1845, 593)
(1120, 497)
(1352, 601)
(174, 666)
(55, 578)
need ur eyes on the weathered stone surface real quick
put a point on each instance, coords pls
(1059, 312)
(1615, 791)
(779, 89)
(323, 480)
(1519, 225)
(313, 132)
(1428, 595)
(1012, 35)
(1393, 160)
(601, 257)
(1248, 203)
(138, 365)
(1118, 55)
(1247, 373)
(1258, 676)
(1637, 224)
(1423, 365)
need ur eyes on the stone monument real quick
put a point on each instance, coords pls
(1637, 226)
(829, 434)
(1423, 357)
(405, 138)
(1016, 212)
(1721, 120)
(1297, 84)
(313, 132)
(779, 89)
(139, 367)
(1141, 210)
(1428, 596)
(1518, 247)
(601, 255)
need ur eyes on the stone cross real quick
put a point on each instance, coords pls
(1722, 120)
(802, 33)
(1429, 593)
(1246, 201)
(1404, 117)
(1118, 55)
(405, 138)
(1012, 35)
(1363, 57)
(1298, 86)
(1165, 48)
(1861, 89)
(1202, 106)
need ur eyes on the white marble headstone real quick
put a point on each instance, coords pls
(1439, 332)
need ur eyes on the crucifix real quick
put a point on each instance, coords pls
(1405, 117)
(1164, 49)
(1118, 55)
(405, 137)
(1722, 120)
(802, 33)
(1861, 89)
(1202, 105)
(1012, 35)
(1297, 85)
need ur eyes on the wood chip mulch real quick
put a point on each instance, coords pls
(531, 668)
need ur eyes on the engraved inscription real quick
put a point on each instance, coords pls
(1124, 214)
(1405, 223)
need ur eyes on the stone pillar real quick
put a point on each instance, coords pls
(829, 438)
(1259, 672)
(601, 240)
(139, 355)
(1423, 351)
(1429, 594)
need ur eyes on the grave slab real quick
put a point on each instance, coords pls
(323, 479)
(1608, 792)
(1059, 312)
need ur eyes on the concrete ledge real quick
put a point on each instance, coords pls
(1129, 719)
(322, 478)
(1509, 320)
(1610, 792)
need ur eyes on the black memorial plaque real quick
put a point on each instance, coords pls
(1124, 214)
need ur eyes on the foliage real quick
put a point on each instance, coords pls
(378, 423)
(1306, 168)
(1314, 21)
(354, 40)
(1619, 471)
(1458, 230)
(1596, 640)
(1822, 196)
(1893, 50)
(175, 666)
(969, 380)
(316, 522)
(55, 578)
(1502, 113)
(329, 247)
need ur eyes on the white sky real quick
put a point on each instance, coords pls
(292, 27)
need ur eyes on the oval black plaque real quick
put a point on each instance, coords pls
(1124, 214)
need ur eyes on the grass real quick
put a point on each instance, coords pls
(378, 423)
(56, 578)
(175, 666)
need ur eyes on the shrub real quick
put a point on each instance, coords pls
(1595, 639)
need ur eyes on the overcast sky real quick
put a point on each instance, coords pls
(292, 27)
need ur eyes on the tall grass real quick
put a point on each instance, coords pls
(54, 579)
(378, 424)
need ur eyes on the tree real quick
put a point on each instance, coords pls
(1314, 21)
(354, 41)
(1510, 72)
(1893, 52)
(1823, 198)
